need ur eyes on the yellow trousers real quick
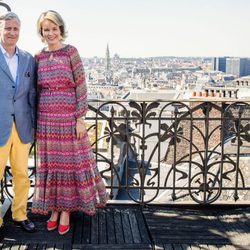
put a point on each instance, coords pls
(18, 154)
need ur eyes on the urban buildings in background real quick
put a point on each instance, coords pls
(114, 77)
(167, 79)
(235, 66)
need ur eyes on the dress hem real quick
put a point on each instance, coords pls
(70, 210)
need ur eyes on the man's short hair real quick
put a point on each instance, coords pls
(9, 16)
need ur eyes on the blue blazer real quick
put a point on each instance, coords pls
(18, 102)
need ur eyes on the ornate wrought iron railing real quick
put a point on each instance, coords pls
(168, 151)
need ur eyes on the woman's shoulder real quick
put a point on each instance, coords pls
(41, 51)
(37, 54)
(71, 49)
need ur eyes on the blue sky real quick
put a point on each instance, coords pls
(143, 28)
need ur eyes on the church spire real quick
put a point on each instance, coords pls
(107, 59)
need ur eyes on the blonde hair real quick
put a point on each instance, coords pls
(54, 17)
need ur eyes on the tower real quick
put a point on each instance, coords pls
(219, 63)
(107, 60)
(108, 72)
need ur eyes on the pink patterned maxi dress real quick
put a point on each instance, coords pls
(67, 178)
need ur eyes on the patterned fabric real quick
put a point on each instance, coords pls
(67, 177)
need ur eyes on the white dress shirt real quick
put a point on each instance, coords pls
(12, 62)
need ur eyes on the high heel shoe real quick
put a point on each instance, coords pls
(51, 225)
(63, 229)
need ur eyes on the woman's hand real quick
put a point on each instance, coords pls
(80, 128)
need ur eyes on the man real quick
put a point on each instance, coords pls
(17, 114)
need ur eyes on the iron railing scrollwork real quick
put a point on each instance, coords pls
(163, 151)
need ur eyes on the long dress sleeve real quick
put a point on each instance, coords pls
(80, 83)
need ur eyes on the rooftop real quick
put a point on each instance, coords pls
(136, 227)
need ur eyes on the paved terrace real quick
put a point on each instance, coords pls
(135, 227)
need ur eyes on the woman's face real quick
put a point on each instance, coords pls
(51, 33)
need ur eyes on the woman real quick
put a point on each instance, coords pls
(67, 177)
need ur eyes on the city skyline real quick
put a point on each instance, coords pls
(144, 28)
